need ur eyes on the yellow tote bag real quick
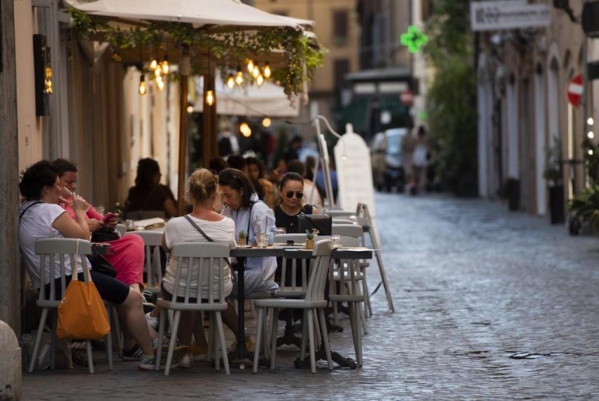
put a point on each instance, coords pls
(81, 313)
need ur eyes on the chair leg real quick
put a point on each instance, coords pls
(171, 346)
(359, 314)
(259, 329)
(362, 314)
(325, 338)
(108, 338)
(212, 349)
(90, 360)
(304, 335)
(367, 304)
(160, 336)
(273, 338)
(53, 340)
(221, 340)
(356, 328)
(310, 320)
(38, 339)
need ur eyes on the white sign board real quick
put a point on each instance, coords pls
(354, 172)
(501, 15)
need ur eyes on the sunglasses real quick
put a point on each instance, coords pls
(298, 194)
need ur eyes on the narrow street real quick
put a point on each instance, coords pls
(490, 305)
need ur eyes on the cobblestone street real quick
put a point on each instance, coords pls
(490, 305)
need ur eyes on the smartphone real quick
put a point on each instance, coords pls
(107, 217)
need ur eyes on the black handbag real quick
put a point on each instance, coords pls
(105, 235)
(321, 222)
(101, 265)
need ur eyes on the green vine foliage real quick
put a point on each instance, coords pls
(452, 105)
(301, 55)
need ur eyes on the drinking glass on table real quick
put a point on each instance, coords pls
(259, 225)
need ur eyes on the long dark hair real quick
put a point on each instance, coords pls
(35, 178)
(235, 179)
(147, 169)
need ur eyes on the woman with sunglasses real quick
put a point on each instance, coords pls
(291, 194)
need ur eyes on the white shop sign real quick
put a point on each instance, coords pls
(501, 15)
(354, 172)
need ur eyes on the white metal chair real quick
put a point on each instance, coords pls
(204, 263)
(345, 277)
(356, 231)
(153, 268)
(314, 301)
(53, 253)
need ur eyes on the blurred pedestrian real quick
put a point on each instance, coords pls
(421, 159)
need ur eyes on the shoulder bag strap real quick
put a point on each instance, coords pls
(207, 237)
(198, 228)
(27, 208)
(250, 217)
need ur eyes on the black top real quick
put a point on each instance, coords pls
(282, 219)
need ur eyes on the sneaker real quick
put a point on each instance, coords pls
(165, 343)
(152, 321)
(185, 361)
(149, 362)
(132, 354)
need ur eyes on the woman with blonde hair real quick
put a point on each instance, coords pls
(202, 191)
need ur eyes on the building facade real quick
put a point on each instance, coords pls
(524, 112)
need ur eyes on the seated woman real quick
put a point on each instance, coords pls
(148, 194)
(202, 186)
(128, 257)
(42, 217)
(243, 206)
(256, 173)
(291, 195)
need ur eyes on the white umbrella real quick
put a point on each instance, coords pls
(199, 13)
(211, 15)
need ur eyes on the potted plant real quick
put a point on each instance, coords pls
(242, 238)
(310, 238)
(554, 174)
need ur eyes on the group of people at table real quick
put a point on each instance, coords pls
(222, 204)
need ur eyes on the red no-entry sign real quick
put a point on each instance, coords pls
(575, 90)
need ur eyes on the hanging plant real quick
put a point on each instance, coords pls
(301, 55)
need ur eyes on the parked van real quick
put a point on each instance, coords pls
(387, 168)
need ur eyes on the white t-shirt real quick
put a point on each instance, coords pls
(35, 224)
(179, 230)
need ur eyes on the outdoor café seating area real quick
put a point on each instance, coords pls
(325, 279)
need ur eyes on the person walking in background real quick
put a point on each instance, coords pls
(407, 157)
(149, 194)
(295, 144)
(420, 159)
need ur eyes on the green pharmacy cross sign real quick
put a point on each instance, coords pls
(414, 39)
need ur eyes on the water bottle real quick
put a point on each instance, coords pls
(271, 237)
